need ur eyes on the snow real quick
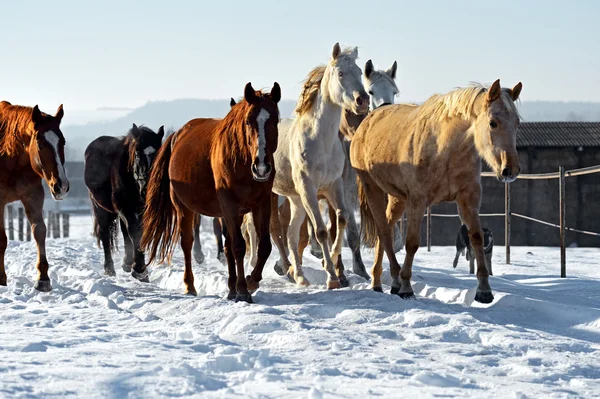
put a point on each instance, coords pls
(95, 336)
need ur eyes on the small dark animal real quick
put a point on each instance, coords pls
(116, 174)
(463, 242)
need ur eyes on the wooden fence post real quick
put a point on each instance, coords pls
(563, 253)
(11, 226)
(428, 229)
(507, 221)
(65, 225)
(49, 224)
(21, 218)
(56, 227)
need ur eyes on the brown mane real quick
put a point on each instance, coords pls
(16, 128)
(312, 85)
(231, 131)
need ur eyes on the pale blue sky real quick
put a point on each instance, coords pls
(124, 53)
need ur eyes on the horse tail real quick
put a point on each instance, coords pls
(112, 229)
(368, 228)
(159, 220)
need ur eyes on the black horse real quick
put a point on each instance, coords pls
(116, 174)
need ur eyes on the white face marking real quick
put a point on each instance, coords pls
(261, 120)
(52, 139)
(149, 151)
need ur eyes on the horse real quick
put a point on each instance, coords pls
(310, 159)
(464, 244)
(116, 175)
(408, 157)
(218, 168)
(32, 148)
(382, 89)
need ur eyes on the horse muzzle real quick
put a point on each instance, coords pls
(59, 190)
(261, 172)
(508, 175)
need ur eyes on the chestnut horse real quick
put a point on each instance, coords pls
(410, 157)
(219, 168)
(32, 148)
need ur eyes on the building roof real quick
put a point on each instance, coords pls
(559, 134)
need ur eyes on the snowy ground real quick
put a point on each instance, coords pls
(94, 336)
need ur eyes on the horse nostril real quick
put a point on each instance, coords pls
(269, 168)
(506, 172)
(254, 169)
(359, 101)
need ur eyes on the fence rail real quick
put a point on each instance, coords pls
(23, 230)
(561, 175)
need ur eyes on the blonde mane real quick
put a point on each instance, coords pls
(312, 83)
(461, 103)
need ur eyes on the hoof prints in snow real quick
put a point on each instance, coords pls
(96, 336)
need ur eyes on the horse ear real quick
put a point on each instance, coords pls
(36, 115)
(515, 91)
(276, 93)
(369, 69)
(250, 93)
(135, 131)
(494, 91)
(232, 102)
(161, 132)
(59, 113)
(336, 51)
(392, 70)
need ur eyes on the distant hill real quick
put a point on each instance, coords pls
(173, 114)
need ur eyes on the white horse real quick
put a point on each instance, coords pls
(309, 160)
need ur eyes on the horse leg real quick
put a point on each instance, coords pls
(219, 232)
(103, 230)
(3, 245)
(394, 210)
(308, 195)
(134, 229)
(128, 259)
(197, 250)
(232, 279)
(33, 205)
(353, 237)
(283, 264)
(261, 217)
(303, 238)
(376, 200)
(397, 237)
(253, 232)
(336, 198)
(414, 217)
(186, 230)
(298, 214)
(237, 246)
(469, 203)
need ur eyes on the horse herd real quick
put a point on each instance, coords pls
(262, 178)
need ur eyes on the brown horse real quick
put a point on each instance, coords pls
(409, 157)
(219, 168)
(31, 148)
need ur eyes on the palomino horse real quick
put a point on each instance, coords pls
(382, 89)
(410, 157)
(116, 175)
(32, 148)
(310, 160)
(219, 168)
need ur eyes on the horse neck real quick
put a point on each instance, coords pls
(327, 116)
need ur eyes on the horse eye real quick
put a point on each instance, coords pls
(371, 93)
(395, 93)
(493, 124)
(341, 74)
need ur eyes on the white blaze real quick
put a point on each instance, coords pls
(261, 120)
(52, 139)
(149, 151)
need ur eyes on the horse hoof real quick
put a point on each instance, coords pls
(484, 297)
(407, 295)
(377, 289)
(302, 281)
(362, 273)
(221, 257)
(143, 276)
(316, 254)
(343, 281)
(199, 258)
(333, 284)
(191, 291)
(3, 282)
(231, 296)
(395, 290)
(43, 285)
(126, 268)
(251, 284)
(110, 272)
(244, 298)
(278, 268)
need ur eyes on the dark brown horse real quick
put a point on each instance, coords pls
(31, 149)
(219, 168)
